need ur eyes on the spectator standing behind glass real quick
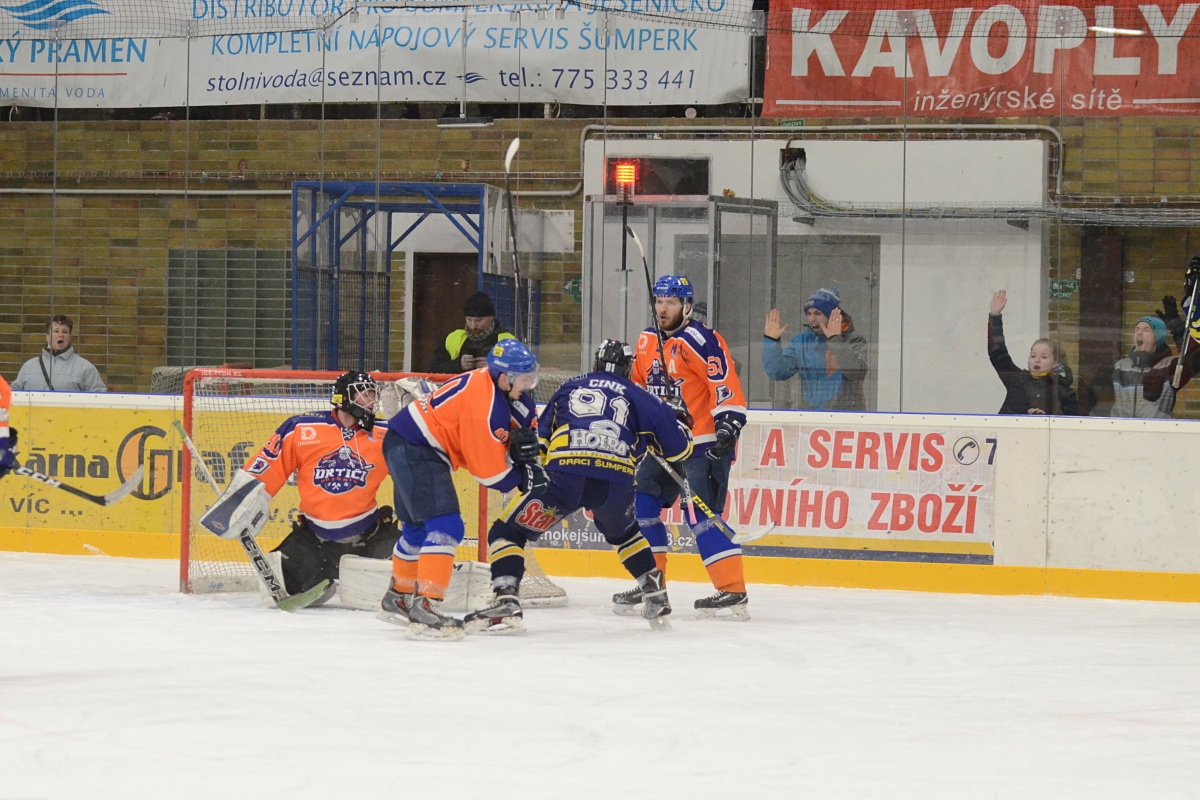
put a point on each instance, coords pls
(829, 355)
(467, 348)
(58, 368)
(1044, 388)
(1142, 380)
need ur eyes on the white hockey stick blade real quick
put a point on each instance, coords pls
(749, 536)
(636, 241)
(125, 488)
(513, 146)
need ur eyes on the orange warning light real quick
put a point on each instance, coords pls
(626, 175)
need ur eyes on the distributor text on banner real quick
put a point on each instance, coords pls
(419, 55)
(1024, 59)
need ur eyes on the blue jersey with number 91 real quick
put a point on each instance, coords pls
(598, 425)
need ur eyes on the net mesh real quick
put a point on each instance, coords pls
(231, 414)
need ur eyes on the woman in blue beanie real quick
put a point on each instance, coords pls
(829, 355)
(1142, 380)
(1044, 388)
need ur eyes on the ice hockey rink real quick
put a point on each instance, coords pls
(114, 685)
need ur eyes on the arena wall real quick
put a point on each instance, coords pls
(975, 504)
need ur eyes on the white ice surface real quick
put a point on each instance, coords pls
(113, 685)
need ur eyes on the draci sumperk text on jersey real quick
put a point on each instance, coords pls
(600, 423)
(338, 471)
(699, 368)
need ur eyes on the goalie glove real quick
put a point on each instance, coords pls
(244, 505)
(533, 478)
(523, 447)
(728, 429)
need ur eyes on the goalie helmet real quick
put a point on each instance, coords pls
(510, 357)
(357, 394)
(613, 356)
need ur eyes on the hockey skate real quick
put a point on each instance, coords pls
(394, 607)
(723, 605)
(500, 618)
(626, 604)
(655, 605)
(427, 622)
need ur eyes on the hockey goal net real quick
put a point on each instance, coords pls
(230, 415)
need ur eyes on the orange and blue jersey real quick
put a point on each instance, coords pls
(599, 424)
(466, 421)
(699, 368)
(338, 471)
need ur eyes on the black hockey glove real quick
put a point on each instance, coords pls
(681, 410)
(533, 478)
(1170, 316)
(8, 456)
(729, 428)
(523, 447)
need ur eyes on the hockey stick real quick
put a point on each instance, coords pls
(705, 511)
(1187, 337)
(513, 146)
(99, 499)
(283, 600)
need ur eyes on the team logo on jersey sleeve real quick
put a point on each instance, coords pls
(342, 471)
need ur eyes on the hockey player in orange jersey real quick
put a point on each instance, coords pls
(699, 369)
(8, 437)
(337, 458)
(480, 421)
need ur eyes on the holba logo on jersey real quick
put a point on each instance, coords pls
(341, 471)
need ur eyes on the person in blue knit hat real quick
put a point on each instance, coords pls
(1142, 380)
(829, 355)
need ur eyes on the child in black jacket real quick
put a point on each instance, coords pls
(1044, 388)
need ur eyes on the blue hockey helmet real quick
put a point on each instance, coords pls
(512, 358)
(675, 286)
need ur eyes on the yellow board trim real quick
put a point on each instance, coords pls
(846, 574)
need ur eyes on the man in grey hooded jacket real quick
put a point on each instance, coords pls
(58, 367)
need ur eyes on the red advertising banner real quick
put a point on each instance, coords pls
(1024, 59)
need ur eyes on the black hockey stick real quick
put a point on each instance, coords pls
(705, 511)
(662, 339)
(283, 600)
(513, 146)
(1187, 337)
(99, 499)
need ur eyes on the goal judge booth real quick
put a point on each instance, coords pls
(480, 421)
(337, 458)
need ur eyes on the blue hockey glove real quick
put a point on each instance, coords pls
(8, 455)
(729, 428)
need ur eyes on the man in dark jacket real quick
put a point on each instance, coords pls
(466, 348)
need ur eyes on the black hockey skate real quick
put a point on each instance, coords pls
(500, 618)
(427, 622)
(394, 607)
(626, 603)
(655, 605)
(723, 605)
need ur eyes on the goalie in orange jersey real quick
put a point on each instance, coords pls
(337, 459)
(8, 437)
(479, 421)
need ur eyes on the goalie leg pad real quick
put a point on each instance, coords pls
(363, 581)
(307, 560)
(244, 504)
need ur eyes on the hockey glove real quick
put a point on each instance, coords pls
(523, 447)
(533, 478)
(729, 428)
(8, 455)
(1170, 316)
(681, 410)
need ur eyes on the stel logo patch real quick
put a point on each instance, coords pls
(723, 393)
(341, 471)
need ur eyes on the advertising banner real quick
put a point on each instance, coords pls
(1020, 59)
(487, 54)
(855, 491)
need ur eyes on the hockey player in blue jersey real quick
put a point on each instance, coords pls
(593, 430)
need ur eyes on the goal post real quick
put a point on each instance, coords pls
(230, 414)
